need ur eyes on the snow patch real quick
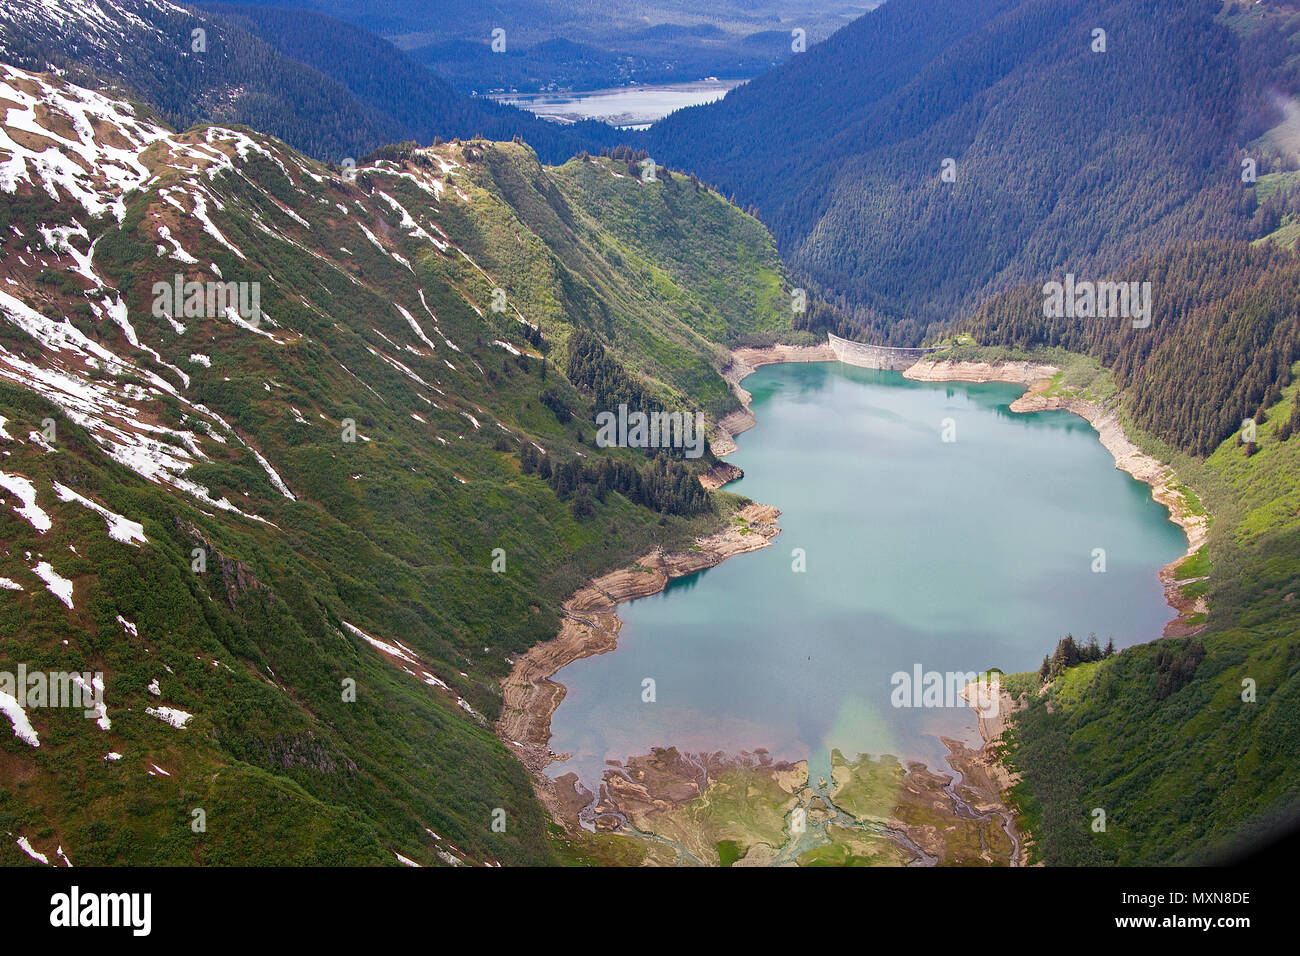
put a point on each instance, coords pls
(119, 528)
(58, 585)
(27, 848)
(389, 649)
(23, 729)
(170, 715)
(22, 488)
(415, 327)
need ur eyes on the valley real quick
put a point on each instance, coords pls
(733, 712)
(309, 355)
(258, 460)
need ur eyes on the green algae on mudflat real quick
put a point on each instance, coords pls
(756, 812)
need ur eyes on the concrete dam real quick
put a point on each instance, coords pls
(877, 356)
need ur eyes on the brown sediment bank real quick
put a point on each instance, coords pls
(985, 778)
(1128, 457)
(1016, 373)
(720, 474)
(591, 626)
(875, 808)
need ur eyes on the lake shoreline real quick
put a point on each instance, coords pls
(591, 624)
(744, 363)
(1160, 476)
(1037, 378)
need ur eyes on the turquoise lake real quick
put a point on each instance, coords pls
(953, 555)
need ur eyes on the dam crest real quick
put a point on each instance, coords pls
(877, 356)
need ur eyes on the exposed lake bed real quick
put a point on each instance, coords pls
(912, 551)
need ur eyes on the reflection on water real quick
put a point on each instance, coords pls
(955, 556)
(681, 585)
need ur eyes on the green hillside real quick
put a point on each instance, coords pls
(1188, 761)
(345, 465)
(1160, 736)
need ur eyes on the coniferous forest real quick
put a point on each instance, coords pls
(1229, 309)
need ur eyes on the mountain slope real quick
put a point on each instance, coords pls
(325, 87)
(1236, 301)
(305, 639)
(1189, 743)
(1065, 159)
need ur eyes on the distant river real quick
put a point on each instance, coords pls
(633, 107)
(957, 556)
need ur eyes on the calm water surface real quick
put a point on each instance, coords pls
(958, 556)
(631, 107)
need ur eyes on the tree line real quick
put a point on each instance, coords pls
(662, 485)
(1224, 334)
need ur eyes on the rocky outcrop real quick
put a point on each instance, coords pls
(720, 474)
(301, 750)
(236, 576)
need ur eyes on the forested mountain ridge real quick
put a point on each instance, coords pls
(323, 86)
(387, 80)
(1228, 310)
(1188, 743)
(1064, 157)
(276, 531)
